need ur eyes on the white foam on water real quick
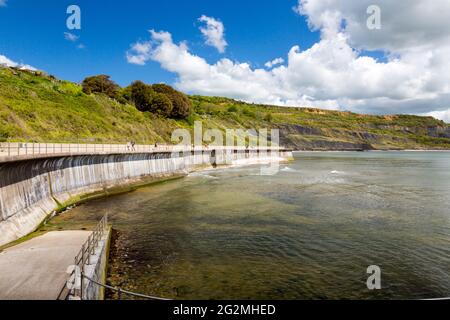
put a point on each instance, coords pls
(288, 169)
(201, 175)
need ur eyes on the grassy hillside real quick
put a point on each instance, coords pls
(37, 107)
(41, 108)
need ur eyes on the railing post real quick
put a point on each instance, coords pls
(89, 250)
(81, 284)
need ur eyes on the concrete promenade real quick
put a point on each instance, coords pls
(15, 151)
(36, 269)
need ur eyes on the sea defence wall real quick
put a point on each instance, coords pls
(31, 189)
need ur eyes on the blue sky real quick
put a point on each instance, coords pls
(331, 58)
(32, 32)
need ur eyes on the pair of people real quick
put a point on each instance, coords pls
(131, 146)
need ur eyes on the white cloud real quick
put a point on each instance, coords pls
(70, 37)
(274, 62)
(139, 53)
(214, 33)
(2, 3)
(4, 61)
(405, 25)
(441, 115)
(333, 73)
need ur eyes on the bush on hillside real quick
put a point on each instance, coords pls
(141, 95)
(268, 117)
(182, 106)
(146, 99)
(232, 109)
(125, 95)
(101, 84)
(249, 113)
(161, 104)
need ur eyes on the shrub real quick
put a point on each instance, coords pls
(249, 113)
(125, 95)
(190, 120)
(232, 109)
(141, 95)
(161, 105)
(101, 84)
(182, 106)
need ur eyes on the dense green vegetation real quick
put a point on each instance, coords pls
(101, 84)
(159, 99)
(41, 108)
(37, 107)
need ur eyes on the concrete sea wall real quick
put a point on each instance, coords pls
(97, 270)
(30, 190)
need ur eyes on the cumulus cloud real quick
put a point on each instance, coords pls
(274, 62)
(334, 73)
(4, 61)
(405, 25)
(214, 33)
(139, 53)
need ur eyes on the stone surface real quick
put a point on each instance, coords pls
(36, 269)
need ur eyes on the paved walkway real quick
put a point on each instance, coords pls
(36, 269)
(15, 151)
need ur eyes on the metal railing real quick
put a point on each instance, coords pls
(83, 258)
(121, 292)
(10, 149)
(14, 149)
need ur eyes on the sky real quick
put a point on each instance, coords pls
(319, 53)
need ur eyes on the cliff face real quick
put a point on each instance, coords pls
(309, 138)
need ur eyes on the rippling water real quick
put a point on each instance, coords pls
(309, 232)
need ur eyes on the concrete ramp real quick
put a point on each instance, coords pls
(36, 269)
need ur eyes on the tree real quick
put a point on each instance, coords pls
(161, 104)
(182, 106)
(101, 84)
(141, 95)
(125, 95)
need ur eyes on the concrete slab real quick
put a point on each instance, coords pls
(36, 269)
